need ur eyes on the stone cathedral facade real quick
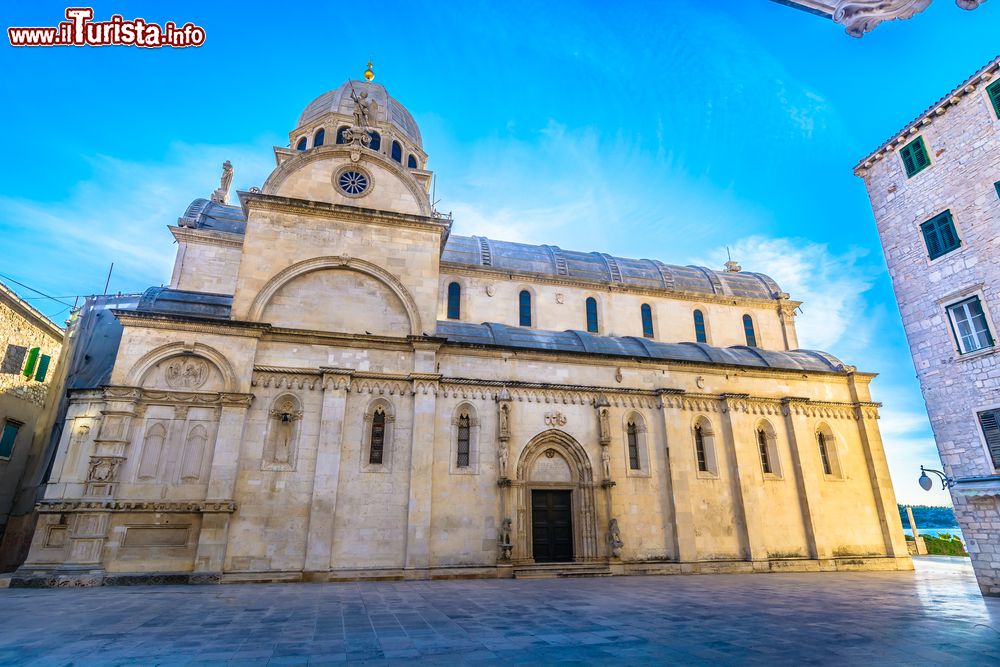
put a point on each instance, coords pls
(335, 386)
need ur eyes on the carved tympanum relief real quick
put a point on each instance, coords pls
(186, 372)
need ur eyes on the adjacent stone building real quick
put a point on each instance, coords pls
(935, 191)
(29, 349)
(336, 386)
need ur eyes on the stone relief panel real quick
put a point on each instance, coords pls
(184, 372)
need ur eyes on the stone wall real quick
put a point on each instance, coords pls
(962, 138)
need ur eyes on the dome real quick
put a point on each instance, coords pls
(388, 109)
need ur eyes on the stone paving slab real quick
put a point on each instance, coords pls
(934, 615)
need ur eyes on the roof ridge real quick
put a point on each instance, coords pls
(938, 108)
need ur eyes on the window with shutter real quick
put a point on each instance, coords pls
(968, 322)
(993, 90)
(7, 439)
(940, 235)
(996, 186)
(699, 449)
(914, 156)
(990, 423)
(13, 359)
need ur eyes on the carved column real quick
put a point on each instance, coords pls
(214, 534)
(507, 527)
(748, 484)
(326, 476)
(418, 518)
(681, 466)
(806, 470)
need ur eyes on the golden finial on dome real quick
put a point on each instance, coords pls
(369, 74)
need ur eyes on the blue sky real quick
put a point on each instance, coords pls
(665, 130)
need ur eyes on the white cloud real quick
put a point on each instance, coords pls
(831, 286)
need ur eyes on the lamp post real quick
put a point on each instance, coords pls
(926, 482)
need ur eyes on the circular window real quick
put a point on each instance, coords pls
(353, 182)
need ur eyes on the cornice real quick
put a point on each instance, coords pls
(207, 237)
(982, 77)
(565, 281)
(147, 320)
(589, 358)
(265, 202)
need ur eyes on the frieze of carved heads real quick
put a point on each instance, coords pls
(555, 418)
(53, 506)
(286, 380)
(104, 468)
(186, 372)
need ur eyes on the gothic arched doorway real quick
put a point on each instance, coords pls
(554, 501)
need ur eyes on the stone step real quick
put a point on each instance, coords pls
(561, 570)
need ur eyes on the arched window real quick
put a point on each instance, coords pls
(376, 142)
(411, 162)
(704, 448)
(763, 447)
(633, 446)
(699, 327)
(464, 429)
(377, 447)
(824, 454)
(319, 138)
(699, 449)
(454, 301)
(152, 448)
(748, 330)
(765, 451)
(647, 320)
(194, 454)
(301, 145)
(524, 303)
(591, 314)
(397, 152)
(341, 139)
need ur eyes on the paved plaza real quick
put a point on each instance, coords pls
(932, 616)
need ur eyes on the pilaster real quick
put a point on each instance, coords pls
(681, 466)
(326, 477)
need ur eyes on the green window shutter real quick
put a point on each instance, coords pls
(990, 423)
(997, 186)
(946, 227)
(43, 367)
(914, 155)
(32, 360)
(940, 235)
(10, 430)
(908, 161)
(931, 239)
(993, 90)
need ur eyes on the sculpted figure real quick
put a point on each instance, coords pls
(502, 454)
(364, 109)
(221, 195)
(615, 538)
(505, 539)
(504, 421)
(605, 427)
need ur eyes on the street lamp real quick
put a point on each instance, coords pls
(926, 482)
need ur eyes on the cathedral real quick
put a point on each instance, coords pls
(334, 386)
